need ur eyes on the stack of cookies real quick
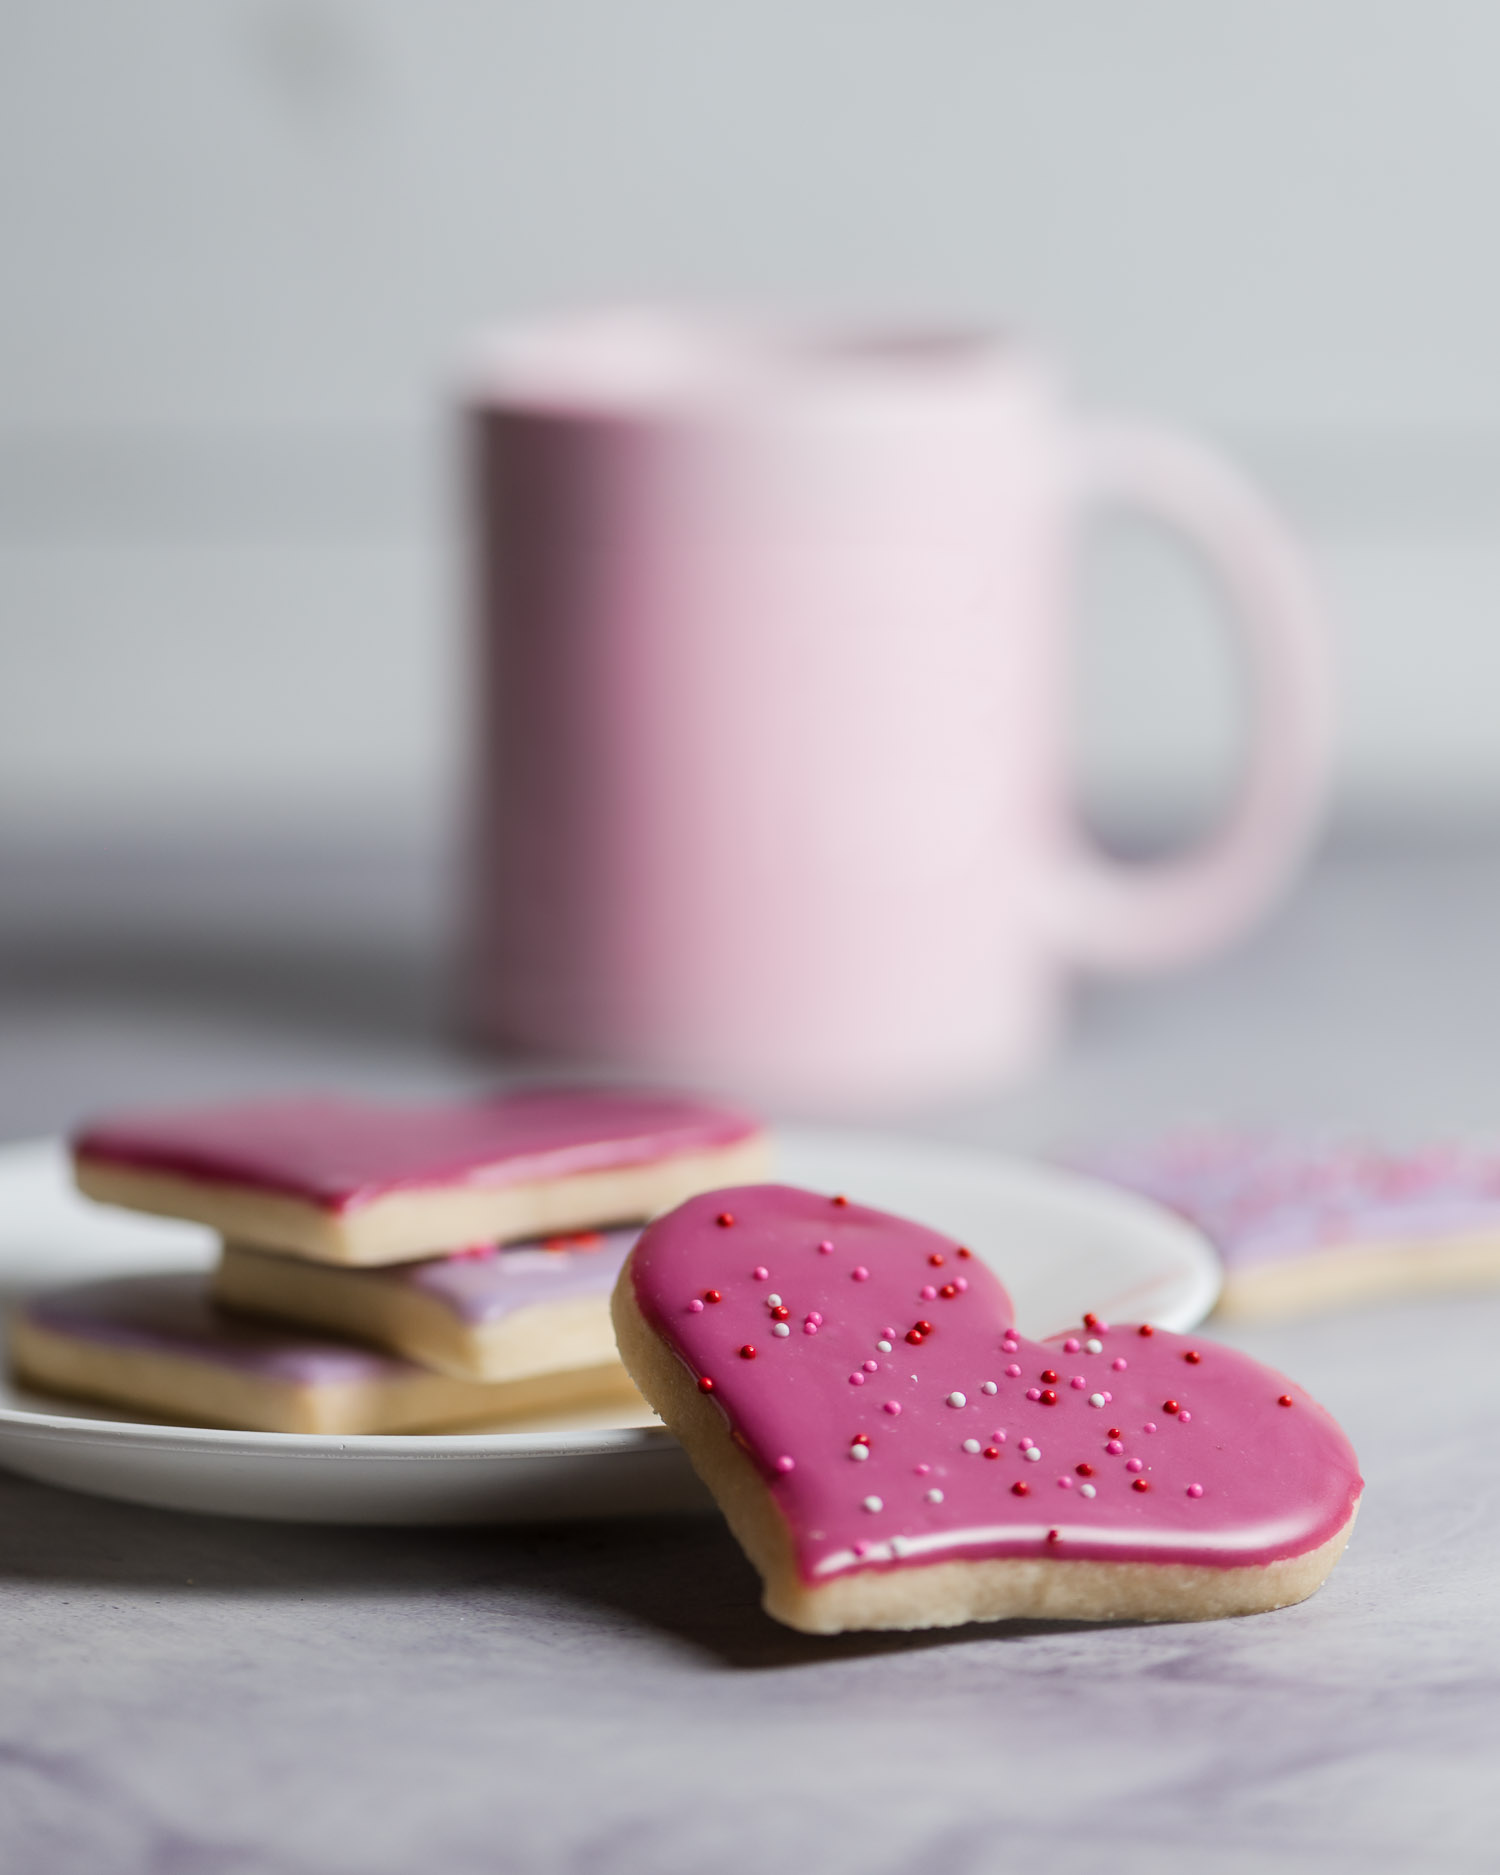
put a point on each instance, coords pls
(383, 1269)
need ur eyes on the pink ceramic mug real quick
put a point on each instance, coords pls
(774, 691)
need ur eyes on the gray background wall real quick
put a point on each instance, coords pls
(240, 244)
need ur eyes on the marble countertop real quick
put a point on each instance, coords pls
(184, 1694)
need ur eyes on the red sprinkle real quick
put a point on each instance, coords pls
(1114, 1432)
(1285, 1400)
(963, 1252)
(860, 1438)
(1084, 1471)
(747, 1353)
(1049, 1398)
(937, 1259)
(1192, 1357)
(1054, 1536)
(705, 1385)
(948, 1289)
(992, 1451)
(780, 1314)
(1170, 1406)
(840, 1199)
(1020, 1488)
(712, 1295)
(924, 1328)
(1140, 1484)
(1091, 1321)
(915, 1337)
(1145, 1329)
(1049, 1375)
(725, 1219)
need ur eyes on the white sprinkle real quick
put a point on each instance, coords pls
(957, 1399)
(1086, 1490)
(1033, 1451)
(874, 1503)
(1096, 1399)
(989, 1387)
(1094, 1346)
(971, 1445)
(883, 1347)
(859, 1451)
(780, 1328)
(773, 1302)
(934, 1496)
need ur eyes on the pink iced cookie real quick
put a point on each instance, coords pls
(1304, 1227)
(345, 1181)
(891, 1454)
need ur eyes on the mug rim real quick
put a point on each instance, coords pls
(642, 361)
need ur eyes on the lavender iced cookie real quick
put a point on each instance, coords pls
(484, 1314)
(1304, 1227)
(159, 1344)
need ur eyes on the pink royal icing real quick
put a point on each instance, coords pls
(340, 1153)
(883, 1445)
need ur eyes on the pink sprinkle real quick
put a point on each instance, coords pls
(1079, 1382)
(1135, 1464)
(922, 1470)
(1066, 1483)
(760, 1272)
(927, 1293)
(1101, 1328)
(809, 1328)
(860, 1273)
(786, 1464)
(856, 1380)
(892, 1407)
(1185, 1416)
(1033, 1393)
(826, 1248)
(815, 1318)
(1071, 1345)
(1026, 1444)
(1114, 1446)
(872, 1367)
(861, 1549)
(1013, 1372)
(1150, 1426)
(1108, 1396)
(695, 1307)
(999, 1436)
(960, 1283)
(1120, 1365)
(1195, 1490)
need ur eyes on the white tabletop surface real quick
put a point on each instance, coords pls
(181, 1694)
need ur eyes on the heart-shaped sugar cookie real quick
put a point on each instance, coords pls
(891, 1454)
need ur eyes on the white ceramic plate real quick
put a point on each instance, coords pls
(1061, 1243)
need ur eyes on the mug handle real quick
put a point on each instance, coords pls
(1114, 916)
